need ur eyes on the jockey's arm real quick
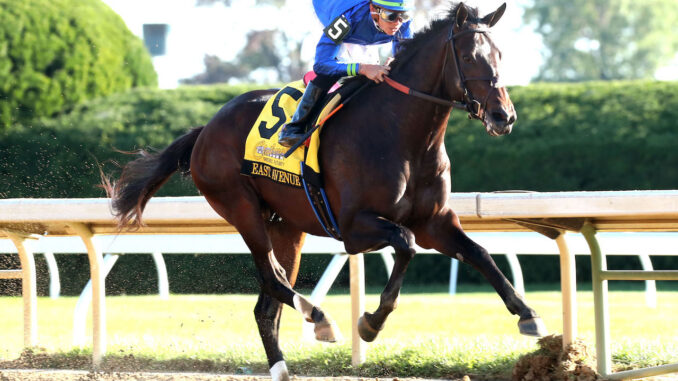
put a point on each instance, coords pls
(326, 63)
(326, 60)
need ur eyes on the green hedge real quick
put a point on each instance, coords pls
(57, 53)
(60, 157)
(589, 136)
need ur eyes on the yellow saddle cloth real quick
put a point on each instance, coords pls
(264, 157)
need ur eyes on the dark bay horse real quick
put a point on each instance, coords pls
(386, 172)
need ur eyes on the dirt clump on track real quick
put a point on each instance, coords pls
(551, 363)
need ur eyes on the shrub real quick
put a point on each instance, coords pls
(56, 53)
(59, 157)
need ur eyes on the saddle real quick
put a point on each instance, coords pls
(341, 90)
(298, 166)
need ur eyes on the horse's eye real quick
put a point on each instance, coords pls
(467, 59)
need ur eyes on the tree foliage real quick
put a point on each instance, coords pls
(57, 53)
(265, 49)
(605, 39)
(272, 49)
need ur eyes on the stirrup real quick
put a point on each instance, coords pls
(290, 134)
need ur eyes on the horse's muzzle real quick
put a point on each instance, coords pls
(499, 121)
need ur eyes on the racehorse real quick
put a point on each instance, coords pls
(385, 168)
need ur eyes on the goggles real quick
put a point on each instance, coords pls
(392, 16)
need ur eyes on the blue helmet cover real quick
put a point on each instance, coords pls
(394, 5)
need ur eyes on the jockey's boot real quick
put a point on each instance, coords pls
(296, 128)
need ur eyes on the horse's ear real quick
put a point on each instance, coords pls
(462, 15)
(493, 17)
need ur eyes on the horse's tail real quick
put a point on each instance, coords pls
(141, 178)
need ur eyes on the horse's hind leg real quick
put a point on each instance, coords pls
(276, 288)
(368, 231)
(287, 245)
(444, 233)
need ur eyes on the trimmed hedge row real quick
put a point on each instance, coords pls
(589, 136)
(57, 53)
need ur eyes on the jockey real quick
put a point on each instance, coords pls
(359, 22)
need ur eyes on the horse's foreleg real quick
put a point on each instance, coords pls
(444, 233)
(368, 232)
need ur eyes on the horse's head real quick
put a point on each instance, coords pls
(475, 65)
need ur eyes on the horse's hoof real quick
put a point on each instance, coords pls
(532, 327)
(279, 372)
(327, 331)
(365, 330)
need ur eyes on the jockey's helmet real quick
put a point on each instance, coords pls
(394, 5)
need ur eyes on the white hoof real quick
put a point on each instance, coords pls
(327, 331)
(279, 372)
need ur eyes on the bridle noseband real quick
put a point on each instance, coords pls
(468, 103)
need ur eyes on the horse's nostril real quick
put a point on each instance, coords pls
(500, 116)
(512, 119)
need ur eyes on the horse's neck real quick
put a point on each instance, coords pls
(424, 72)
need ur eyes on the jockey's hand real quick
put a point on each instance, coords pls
(374, 72)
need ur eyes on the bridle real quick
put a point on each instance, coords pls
(469, 102)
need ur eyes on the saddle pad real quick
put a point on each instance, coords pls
(264, 157)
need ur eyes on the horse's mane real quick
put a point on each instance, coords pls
(409, 47)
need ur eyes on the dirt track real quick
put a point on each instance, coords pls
(80, 375)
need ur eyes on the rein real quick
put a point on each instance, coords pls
(469, 103)
(406, 90)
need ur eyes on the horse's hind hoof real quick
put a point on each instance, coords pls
(365, 330)
(327, 331)
(532, 327)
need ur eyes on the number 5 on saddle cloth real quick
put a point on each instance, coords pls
(299, 167)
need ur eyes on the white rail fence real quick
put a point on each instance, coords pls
(550, 213)
(511, 245)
